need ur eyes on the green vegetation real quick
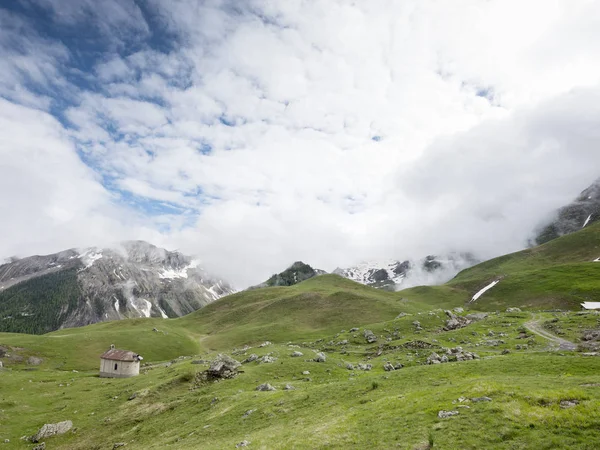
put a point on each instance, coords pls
(39, 305)
(540, 398)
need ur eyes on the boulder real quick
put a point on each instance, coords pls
(513, 310)
(320, 357)
(267, 359)
(446, 414)
(223, 366)
(388, 367)
(289, 387)
(265, 387)
(455, 322)
(354, 330)
(370, 336)
(476, 316)
(365, 367)
(566, 404)
(40, 446)
(34, 361)
(242, 444)
(52, 429)
(297, 354)
(251, 358)
(265, 344)
(349, 366)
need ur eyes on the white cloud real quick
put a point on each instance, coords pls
(331, 131)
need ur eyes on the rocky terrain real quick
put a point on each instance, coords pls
(294, 274)
(583, 211)
(81, 287)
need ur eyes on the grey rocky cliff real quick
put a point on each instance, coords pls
(136, 279)
(584, 210)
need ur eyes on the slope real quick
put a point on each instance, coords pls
(318, 305)
(559, 274)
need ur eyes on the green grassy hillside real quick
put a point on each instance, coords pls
(558, 275)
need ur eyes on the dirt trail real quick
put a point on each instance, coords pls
(535, 326)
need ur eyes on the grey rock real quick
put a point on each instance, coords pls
(52, 429)
(388, 367)
(446, 414)
(505, 351)
(119, 444)
(513, 310)
(130, 275)
(365, 367)
(265, 344)
(566, 404)
(198, 361)
(306, 372)
(289, 387)
(265, 387)
(370, 336)
(40, 446)
(132, 396)
(354, 330)
(481, 399)
(320, 357)
(459, 310)
(476, 316)
(455, 322)
(297, 354)
(34, 361)
(223, 366)
(251, 358)
(244, 443)
(349, 366)
(248, 413)
(267, 359)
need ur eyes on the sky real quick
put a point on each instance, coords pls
(255, 133)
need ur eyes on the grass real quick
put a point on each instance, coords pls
(332, 407)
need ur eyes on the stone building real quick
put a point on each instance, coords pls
(115, 363)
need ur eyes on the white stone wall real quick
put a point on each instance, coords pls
(119, 369)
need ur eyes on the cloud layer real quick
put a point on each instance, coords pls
(258, 134)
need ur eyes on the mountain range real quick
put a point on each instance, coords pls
(79, 287)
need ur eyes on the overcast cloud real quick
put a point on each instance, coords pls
(257, 133)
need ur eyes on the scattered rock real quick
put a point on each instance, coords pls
(198, 361)
(343, 342)
(119, 444)
(320, 357)
(459, 310)
(267, 359)
(566, 404)
(401, 315)
(481, 399)
(251, 358)
(265, 387)
(265, 344)
(365, 367)
(34, 361)
(370, 336)
(247, 413)
(41, 446)
(52, 429)
(455, 322)
(513, 310)
(354, 330)
(7, 441)
(289, 387)
(132, 396)
(243, 444)
(446, 414)
(349, 366)
(388, 366)
(505, 351)
(306, 372)
(297, 354)
(223, 366)
(476, 316)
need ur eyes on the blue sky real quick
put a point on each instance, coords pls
(257, 133)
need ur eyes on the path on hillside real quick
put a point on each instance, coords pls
(535, 326)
